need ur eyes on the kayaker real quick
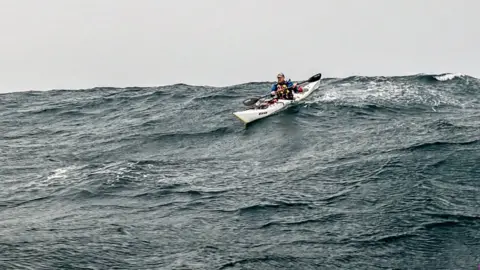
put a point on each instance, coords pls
(283, 88)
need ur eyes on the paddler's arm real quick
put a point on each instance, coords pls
(273, 90)
(291, 85)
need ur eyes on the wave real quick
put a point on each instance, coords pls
(405, 93)
(449, 76)
(440, 144)
(441, 77)
(368, 167)
(267, 261)
(408, 90)
(304, 221)
(277, 206)
(172, 136)
(456, 217)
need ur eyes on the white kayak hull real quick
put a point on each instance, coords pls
(250, 115)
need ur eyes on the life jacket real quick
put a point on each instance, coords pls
(283, 91)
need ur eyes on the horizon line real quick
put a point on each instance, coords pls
(230, 85)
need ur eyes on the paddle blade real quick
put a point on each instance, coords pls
(250, 101)
(315, 78)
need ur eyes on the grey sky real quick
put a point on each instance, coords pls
(59, 44)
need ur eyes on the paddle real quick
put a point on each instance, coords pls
(314, 78)
(251, 101)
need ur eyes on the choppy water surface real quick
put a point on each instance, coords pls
(370, 173)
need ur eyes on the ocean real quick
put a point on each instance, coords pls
(368, 173)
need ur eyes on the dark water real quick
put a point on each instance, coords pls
(371, 173)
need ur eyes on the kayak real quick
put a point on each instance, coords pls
(265, 107)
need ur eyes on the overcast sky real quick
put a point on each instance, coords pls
(71, 44)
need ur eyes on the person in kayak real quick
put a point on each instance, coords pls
(283, 89)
